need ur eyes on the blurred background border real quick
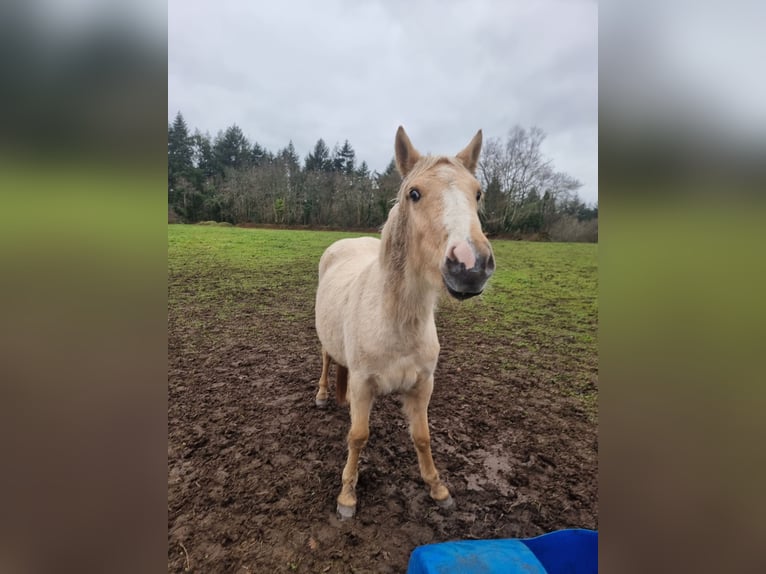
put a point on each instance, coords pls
(83, 254)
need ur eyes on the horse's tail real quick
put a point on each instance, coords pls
(341, 383)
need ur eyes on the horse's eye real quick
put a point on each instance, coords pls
(478, 195)
(414, 194)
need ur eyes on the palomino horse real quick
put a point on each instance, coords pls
(376, 299)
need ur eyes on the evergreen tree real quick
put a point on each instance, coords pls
(386, 187)
(347, 158)
(258, 155)
(291, 158)
(319, 158)
(336, 159)
(391, 168)
(363, 171)
(202, 155)
(179, 152)
(231, 149)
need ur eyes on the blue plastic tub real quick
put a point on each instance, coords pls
(572, 551)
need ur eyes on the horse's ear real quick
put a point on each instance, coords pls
(469, 157)
(406, 155)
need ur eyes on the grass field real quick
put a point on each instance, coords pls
(254, 466)
(542, 298)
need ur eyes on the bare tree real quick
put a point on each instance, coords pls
(517, 176)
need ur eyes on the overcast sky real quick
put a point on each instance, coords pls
(341, 69)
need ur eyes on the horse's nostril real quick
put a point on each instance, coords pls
(454, 267)
(491, 263)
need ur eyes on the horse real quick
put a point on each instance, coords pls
(376, 299)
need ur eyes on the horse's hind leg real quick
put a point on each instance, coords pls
(416, 408)
(321, 398)
(341, 383)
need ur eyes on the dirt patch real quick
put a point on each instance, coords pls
(254, 467)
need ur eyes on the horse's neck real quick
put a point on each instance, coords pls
(407, 298)
(408, 302)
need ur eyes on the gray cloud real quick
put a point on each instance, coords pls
(338, 69)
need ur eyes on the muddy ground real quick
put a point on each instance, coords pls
(254, 467)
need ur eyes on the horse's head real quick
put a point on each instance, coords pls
(438, 204)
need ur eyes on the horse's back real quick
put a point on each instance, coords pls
(353, 254)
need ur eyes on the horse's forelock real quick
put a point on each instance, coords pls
(422, 167)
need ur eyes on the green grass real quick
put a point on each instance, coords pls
(544, 288)
(538, 316)
(538, 313)
(230, 267)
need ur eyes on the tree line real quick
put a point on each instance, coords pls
(229, 178)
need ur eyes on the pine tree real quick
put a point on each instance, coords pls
(319, 158)
(391, 169)
(179, 152)
(202, 155)
(336, 160)
(386, 187)
(257, 155)
(348, 158)
(363, 171)
(231, 149)
(290, 156)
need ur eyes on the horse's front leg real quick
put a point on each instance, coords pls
(416, 408)
(360, 402)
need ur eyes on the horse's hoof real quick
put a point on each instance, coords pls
(346, 512)
(446, 503)
(321, 403)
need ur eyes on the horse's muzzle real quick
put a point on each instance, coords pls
(465, 283)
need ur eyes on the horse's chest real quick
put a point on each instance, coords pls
(401, 373)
